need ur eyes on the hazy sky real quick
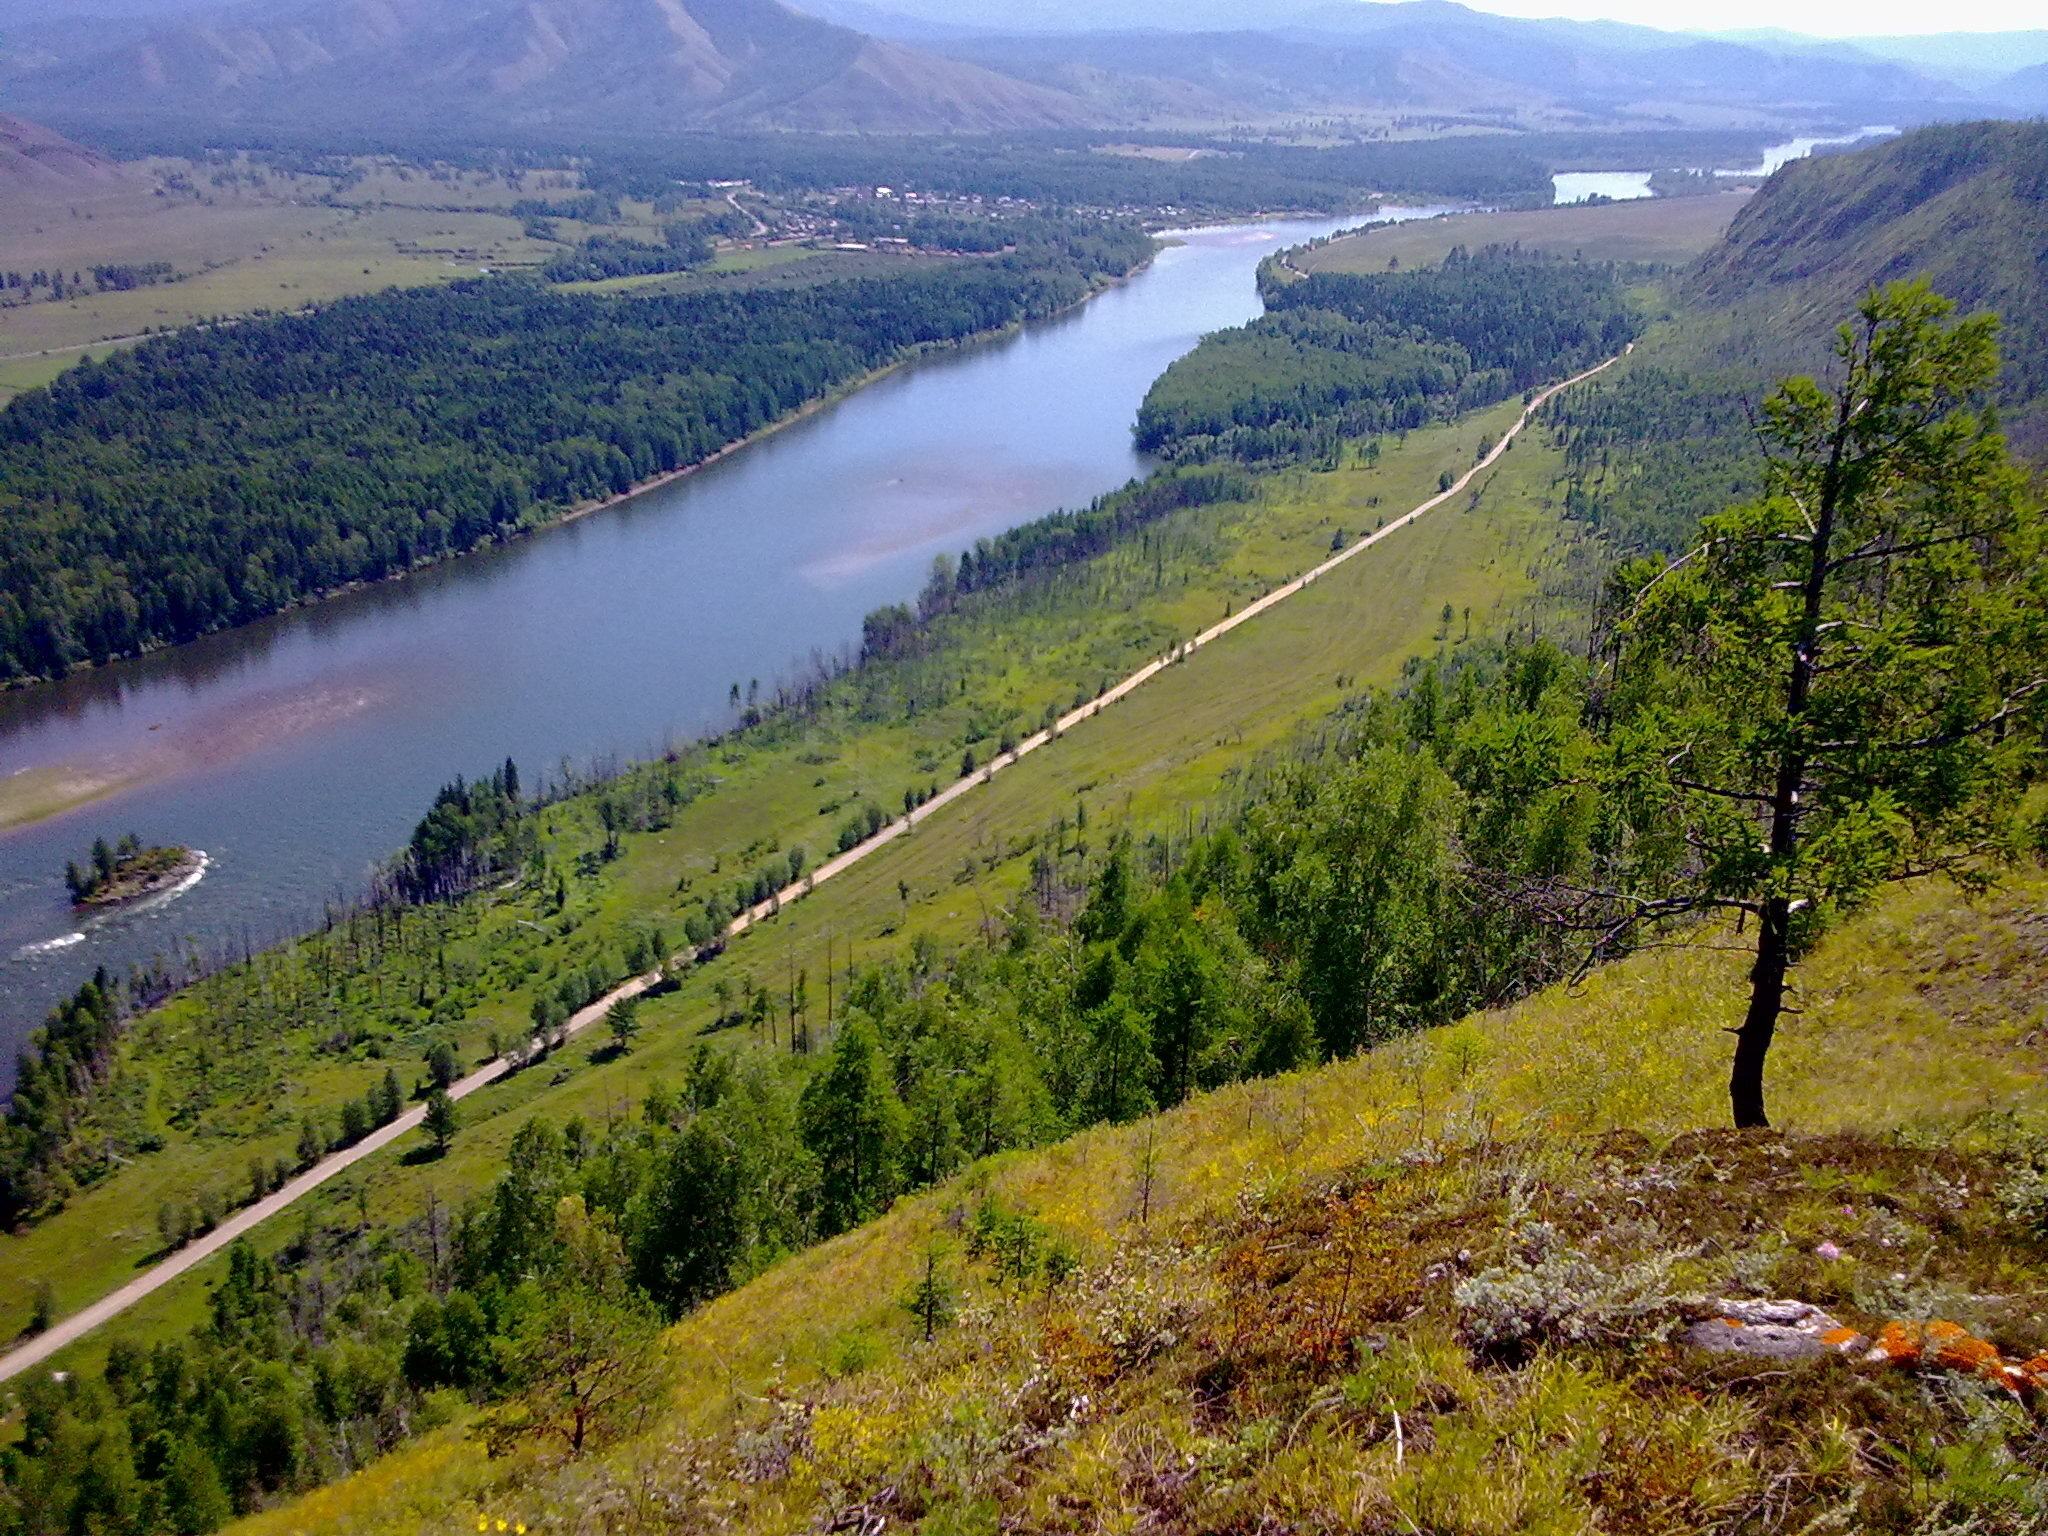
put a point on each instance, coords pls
(1819, 18)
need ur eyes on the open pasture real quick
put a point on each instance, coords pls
(1656, 229)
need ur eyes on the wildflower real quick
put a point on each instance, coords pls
(1828, 1251)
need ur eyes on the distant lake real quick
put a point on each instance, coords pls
(300, 750)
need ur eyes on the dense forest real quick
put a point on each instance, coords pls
(208, 478)
(1339, 356)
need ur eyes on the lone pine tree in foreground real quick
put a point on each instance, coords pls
(1832, 690)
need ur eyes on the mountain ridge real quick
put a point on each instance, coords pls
(680, 62)
(861, 67)
(1965, 205)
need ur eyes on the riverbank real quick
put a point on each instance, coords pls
(48, 790)
(811, 408)
(34, 794)
(547, 519)
(623, 633)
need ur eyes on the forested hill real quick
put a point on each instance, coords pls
(1963, 204)
(210, 478)
(1339, 356)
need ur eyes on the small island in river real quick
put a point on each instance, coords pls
(127, 871)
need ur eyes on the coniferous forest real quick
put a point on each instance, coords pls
(212, 477)
(1340, 356)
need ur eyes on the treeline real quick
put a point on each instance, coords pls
(1047, 543)
(605, 256)
(56, 1076)
(1064, 169)
(1652, 453)
(211, 477)
(685, 243)
(1341, 356)
(470, 833)
(107, 277)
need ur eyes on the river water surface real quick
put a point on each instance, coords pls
(300, 750)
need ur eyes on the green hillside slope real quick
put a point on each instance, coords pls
(1434, 1287)
(1963, 204)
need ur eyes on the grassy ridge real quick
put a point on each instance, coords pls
(1917, 1019)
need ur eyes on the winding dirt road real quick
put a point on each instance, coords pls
(80, 1323)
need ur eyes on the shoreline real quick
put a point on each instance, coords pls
(29, 1353)
(582, 510)
(183, 875)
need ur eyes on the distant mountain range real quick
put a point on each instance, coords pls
(642, 63)
(914, 66)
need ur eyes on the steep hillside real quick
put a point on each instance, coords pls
(1964, 204)
(672, 62)
(37, 165)
(1450, 1285)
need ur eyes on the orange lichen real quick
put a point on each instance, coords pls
(1953, 1347)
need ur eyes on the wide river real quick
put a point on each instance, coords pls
(299, 751)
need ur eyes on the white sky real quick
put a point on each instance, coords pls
(1817, 18)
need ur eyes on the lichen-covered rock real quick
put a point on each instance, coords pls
(1798, 1330)
(1775, 1330)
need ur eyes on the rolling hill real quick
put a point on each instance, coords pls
(2026, 89)
(37, 165)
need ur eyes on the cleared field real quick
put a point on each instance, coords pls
(1660, 229)
(243, 238)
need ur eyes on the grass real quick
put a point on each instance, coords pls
(1148, 759)
(1263, 1283)
(246, 237)
(1658, 229)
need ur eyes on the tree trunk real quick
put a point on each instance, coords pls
(1774, 930)
(1760, 1023)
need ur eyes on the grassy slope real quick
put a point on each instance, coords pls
(1920, 1017)
(1661, 229)
(1148, 759)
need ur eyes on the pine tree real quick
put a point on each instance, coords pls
(443, 1119)
(851, 1120)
